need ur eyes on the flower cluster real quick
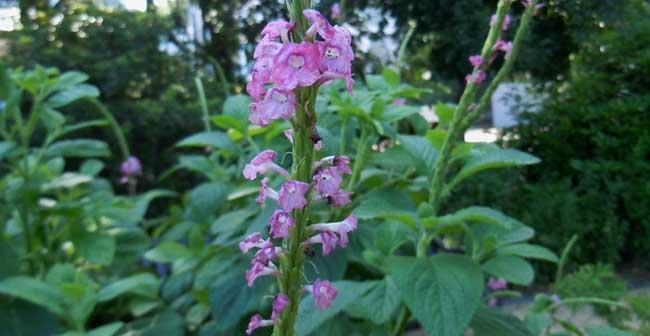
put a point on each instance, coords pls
(130, 169)
(281, 65)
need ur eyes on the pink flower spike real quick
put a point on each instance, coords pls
(296, 65)
(336, 54)
(278, 29)
(292, 195)
(319, 24)
(261, 164)
(328, 181)
(342, 228)
(267, 252)
(327, 238)
(277, 104)
(266, 192)
(340, 199)
(257, 322)
(497, 284)
(324, 293)
(476, 60)
(254, 240)
(258, 270)
(280, 223)
(279, 303)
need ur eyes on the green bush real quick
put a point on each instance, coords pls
(593, 139)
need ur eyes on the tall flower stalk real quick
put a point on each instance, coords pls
(292, 60)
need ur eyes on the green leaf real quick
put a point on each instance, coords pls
(66, 181)
(422, 152)
(106, 330)
(36, 292)
(22, 318)
(145, 285)
(10, 260)
(442, 292)
(227, 122)
(513, 269)
(490, 159)
(168, 251)
(528, 251)
(492, 322)
(228, 223)
(436, 137)
(310, 317)
(237, 107)
(6, 148)
(600, 330)
(84, 148)
(205, 200)
(386, 203)
(72, 94)
(378, 304)
(391, 76)
(91, 167)
(214, 139)
(475, 214)
(96, 248)
(445, 113)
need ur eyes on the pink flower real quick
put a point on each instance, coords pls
(267, 253)
(342, 163)
(254, 240)
(336, 53)
(336, 11)
(319, 24)
(296, 65)
(528, 3)
(288, 133)
(258, 270)
(130, 168)
(261, 164)
(257, 322)
(280, 223)
(477, 78)
(277, 104)
(328, 181)
(324, 293)
(476, 60)
(277, 29)
(279, 303)
(266, 191)
(497, 284)
(292, 195)
(267, 48)
(506, 22)
(505, 46)
(342, 228)
(256, 90)
(339, 199)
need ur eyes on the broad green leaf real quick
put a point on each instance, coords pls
(66, 181)
(237, 107)
(391, 76)
(513, 269)
(10, 260)
(96, 248)
(394, 112)
(205, 200)
(22, 318)
(72, 94)
(227, 122)
(386, 203)
(214, 139)
(422, 152)
(436, 137)
(378, 304)
(106, 330)
(389, 236)
(528, 251)
(492, 322)
(445, 113)
(6, 147)
(36, 292)
(331, 267)
(310, 317)
(442, 291)
(130, 244)
(475, 214)
(83, 148)
(228, 223)
(168, 323)
(91, 167)
(145, 285)
(490, 159)
(600, 330)
(167, 252)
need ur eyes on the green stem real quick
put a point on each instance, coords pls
(204, 103)
(402, 47)
(359, 158)
(403, 319)
(121, 140)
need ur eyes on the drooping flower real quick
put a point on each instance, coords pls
(263, 163)
(257, 322)
(476, 60)
(280, 223)
(328, 239)
(266, 192)
(277, 104)
(254, 240)
(497, 284)
(319, 24)
(296, 65)
(258, 269)
(506, 21)
(324, 293)
(277, 29)
(279, 303)
(292, 195)
(343, 227)
(130, 168)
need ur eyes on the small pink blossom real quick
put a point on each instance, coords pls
(267, 252)
(292, 195)
(277, 104)
(267, 48)
(497, 284)
(477, 78)
(319, 24)
(266, 192)
(261, 164)
(278, 29)
(327, 181)
(296, 65)
(279, 303)
(257, 91)
(506, 21)
(257, 322)
(258, 270)
(505, 46)
(280, 223)
(342, 228)
(340, 199)
(476, 60)
(528, 3)
(342, 163)
(254, 240)
(336, 11)
(130, 168)
(336, 54)
(324, 293)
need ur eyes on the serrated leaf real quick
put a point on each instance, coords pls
(490, 159)
(492, 322)
(422, 152)
(378, 304)
(72, 94)
(386, 203)
(475, 214)
(144, 285)
(528, 251)
(83, 148)
(513, 269)
(442, 291)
